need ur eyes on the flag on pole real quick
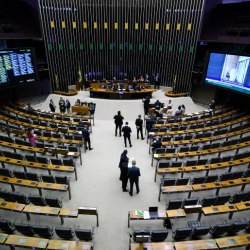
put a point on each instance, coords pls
(57, 82)
(79, 75)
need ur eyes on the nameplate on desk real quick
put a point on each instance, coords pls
(192, 209)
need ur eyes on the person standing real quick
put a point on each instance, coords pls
(62, 105)
(126, 134)
(123, 165)
(146, 102)
(86, 137)
(157, 81)
(118, 123)
(31, 136)
(68, 106)
(139, 123)
(52, 106)
(133, 175)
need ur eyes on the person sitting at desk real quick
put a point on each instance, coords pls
(157, 105)
(156, 144)
(84, 104)
(78, 102)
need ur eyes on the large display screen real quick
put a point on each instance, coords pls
(16, 67)
(229, 71)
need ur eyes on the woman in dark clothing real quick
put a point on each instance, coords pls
(123, 165)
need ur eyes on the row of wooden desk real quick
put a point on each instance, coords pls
(207, 167)
(204, 187)
(206, 128)
(48, 211)
(41, 243)
(35, 184)
(183, 123)
(37, 165)
(180, 213)
(220, 243)
(54, 151)
(200, 153)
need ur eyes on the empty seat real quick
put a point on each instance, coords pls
(238, 226)
(17, 156)
(222, 199)
(158, 235)
(164, 165)
(37, 200)
(167, 182)
(237, 174)
(220, 229)
(42, 160)
(20, 198)
(181, 233)
(65, 232)
(6, 226)
(30, 158)
(69, 162)
(84, 234)
(202, 162)
(140, 233)
(212, 178)
(56, 162)
(20, 174)
(240, 196)
(215, 145)
(24, 229)
(226, 176)
(190, 202)
(48, 178)
(62, 180)
(191, 163)
(182, 181)
(198, 179)
(200, 231)
(176, 164)
(6, 172)
(215, 160)
(33, 176)
(174, 204)
(184, 149)
(5, 195)
(209, 201)
(53, 202)
(194, 148)
(43, 231)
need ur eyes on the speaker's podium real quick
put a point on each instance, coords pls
(80, 109)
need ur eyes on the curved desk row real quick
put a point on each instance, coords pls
(110, 94)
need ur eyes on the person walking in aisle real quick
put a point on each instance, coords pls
(31, 136)
(118, 123)
(139, 123)
(126, 134)
(86, 137)
(133, 175)
(123, 165)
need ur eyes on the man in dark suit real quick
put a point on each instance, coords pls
(133, 175)
(86, 137)
(139, 123)
(118, 123)
(126, 134)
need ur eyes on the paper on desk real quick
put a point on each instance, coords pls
(146, 215)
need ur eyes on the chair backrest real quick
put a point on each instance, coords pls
(174, 204)
(37, 200)
(237, 174)
(69, 162)
(53, 202)
(6, 226)
(33, 176)
(182, 181)
(226, 176)
(238, 226)
(62, 179)
(182, 233)
(168, 182)
(20, 198)
(84, 234)
(56, 162)
(30, 158)
(138, 233)
(65, 232)
(24, 229)
(42, 160)
(164, 165)
(176, 164)
(191, 163)
(190, 202)
(222, 199)
(6, 172)
(240, 196)
(20, 174)
(209, 201)
(202, 162)
(215, 160)
(212, 178)
(184, 149)
(170, 150)
(48, 178)
(43, 231)
(7, 196)
(158, 235)
(221, 229)
(198, 179)
(200, 231)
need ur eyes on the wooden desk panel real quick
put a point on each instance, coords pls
(219, 209)
(233, 241)
(170, 170)
(176, 213)
(176, 189)
(41, 210)
(206, 186)
(152, 246)
(3, 238)
(69, 212)
(12, 206)
(234, 182)
(133, 216)
(244, 205)
(52, 186)
(196, 245)
(27, 242)
(69, 245)
(197, 168)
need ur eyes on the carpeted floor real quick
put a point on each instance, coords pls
(98, 182)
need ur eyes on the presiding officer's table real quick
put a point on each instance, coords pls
(124, 94)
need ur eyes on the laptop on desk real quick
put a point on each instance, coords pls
(153, 212)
